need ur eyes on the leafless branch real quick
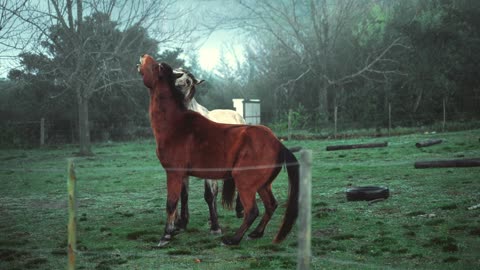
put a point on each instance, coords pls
(293, 81)
(369, 66)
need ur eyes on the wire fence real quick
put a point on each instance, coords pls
(78, 199)
(303, 125)
(294, 125)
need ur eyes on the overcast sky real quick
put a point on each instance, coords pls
(210, 45)
(221, 42)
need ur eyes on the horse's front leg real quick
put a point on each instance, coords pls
(182, 221)
(174, 188)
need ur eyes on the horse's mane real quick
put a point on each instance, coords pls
(177, 94)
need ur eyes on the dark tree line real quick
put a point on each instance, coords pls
(360, 56)
(84, 53)
(309, 56)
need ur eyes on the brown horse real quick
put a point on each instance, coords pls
(187, 83)
(189, 144)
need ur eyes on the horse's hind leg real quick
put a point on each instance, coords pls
(247, 198)
(239, 207)
(211, 191)
(270, 205)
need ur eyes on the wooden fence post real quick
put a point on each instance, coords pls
(389, 118)
(444, 115)
(305, 211)
(42, 131)
(289, 124)
(335, 119)
(72, 215)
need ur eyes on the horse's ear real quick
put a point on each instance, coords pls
(177, 74)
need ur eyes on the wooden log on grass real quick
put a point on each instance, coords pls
(428, 143)
(355, 146)
(455, 163)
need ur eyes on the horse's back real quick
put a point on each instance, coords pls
(225, 145)
(226, 117)
(260, 147)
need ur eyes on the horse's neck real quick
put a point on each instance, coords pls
(164, 112)
(195, 106)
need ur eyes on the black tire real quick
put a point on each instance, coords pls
(367, 193)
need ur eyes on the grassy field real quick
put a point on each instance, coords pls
(424, 224)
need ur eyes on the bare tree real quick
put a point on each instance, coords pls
(311, 31)
(88, 61)
(11, 30)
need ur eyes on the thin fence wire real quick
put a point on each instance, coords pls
(141, 254)
(27, 134)
(200, 258)
(100, 213)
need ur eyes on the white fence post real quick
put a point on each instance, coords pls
(305, 211)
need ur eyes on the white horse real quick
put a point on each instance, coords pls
(187, 83)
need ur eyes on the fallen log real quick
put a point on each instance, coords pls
(456, 163)
(428, 143)
(355, 146)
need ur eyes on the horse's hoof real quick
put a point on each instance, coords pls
(230, 241)
(216, 232)
(164, 241)
(255, 235)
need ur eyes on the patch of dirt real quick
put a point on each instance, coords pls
(323, 212)
(435, 222)
(58, 204)
(475, 232)
(346, 236)
(179, 252)
(110, 264)
(447, 244)
(325, 232)
(9, 255)
(415, 213)
(451, 260)
(138, 234)
(35, 263)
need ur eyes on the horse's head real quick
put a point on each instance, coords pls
(153, 72)
(159, 77)
(186, 82)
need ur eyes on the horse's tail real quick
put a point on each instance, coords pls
(228, 193)
(293, 185)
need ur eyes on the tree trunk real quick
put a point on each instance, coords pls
(84, 131)
(323, 104)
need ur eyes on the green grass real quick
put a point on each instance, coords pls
(121, 195)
